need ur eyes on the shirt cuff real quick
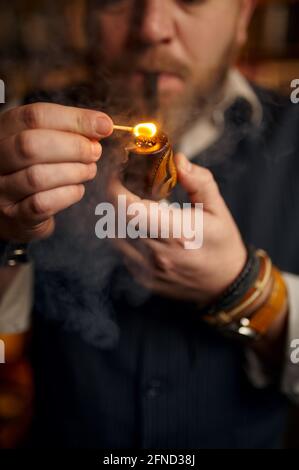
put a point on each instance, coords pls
(290, 378)
(16, 303)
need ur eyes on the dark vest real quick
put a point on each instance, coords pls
(120, 373)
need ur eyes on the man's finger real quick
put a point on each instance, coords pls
(42, 206)
(199, 184)
(156, 219)
(39, 178)
(91, 124)
(40, 146)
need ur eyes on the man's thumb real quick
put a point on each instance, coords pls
(199, 184)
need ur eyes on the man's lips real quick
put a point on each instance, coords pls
(166, 81)
(170, 82)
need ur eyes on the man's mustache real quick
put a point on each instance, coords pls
(152, 64)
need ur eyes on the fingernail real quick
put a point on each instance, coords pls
(103, 126)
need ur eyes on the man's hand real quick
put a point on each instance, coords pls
(47, 152)
(166, 267)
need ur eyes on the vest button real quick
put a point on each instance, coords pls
(153, 388)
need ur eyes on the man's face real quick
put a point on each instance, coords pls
(188, 45)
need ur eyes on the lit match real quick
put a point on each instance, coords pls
(147, 129)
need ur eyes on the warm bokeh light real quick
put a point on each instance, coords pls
(147, 129)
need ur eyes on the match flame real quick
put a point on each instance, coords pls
(147, 129)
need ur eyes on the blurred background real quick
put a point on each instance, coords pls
(42, 46)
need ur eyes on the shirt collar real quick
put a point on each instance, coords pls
(207, 130)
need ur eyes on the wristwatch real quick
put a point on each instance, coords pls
(13, 253)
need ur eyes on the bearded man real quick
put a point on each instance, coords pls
(142, 343)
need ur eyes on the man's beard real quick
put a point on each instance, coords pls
(173, 112)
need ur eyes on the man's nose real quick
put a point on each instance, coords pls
(156, 23)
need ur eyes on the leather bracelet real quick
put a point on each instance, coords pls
(257, 326)
(263, 303)
(225, 317)
(235, 292)
(276, 303)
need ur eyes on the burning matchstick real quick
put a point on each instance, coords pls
(147, 129)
